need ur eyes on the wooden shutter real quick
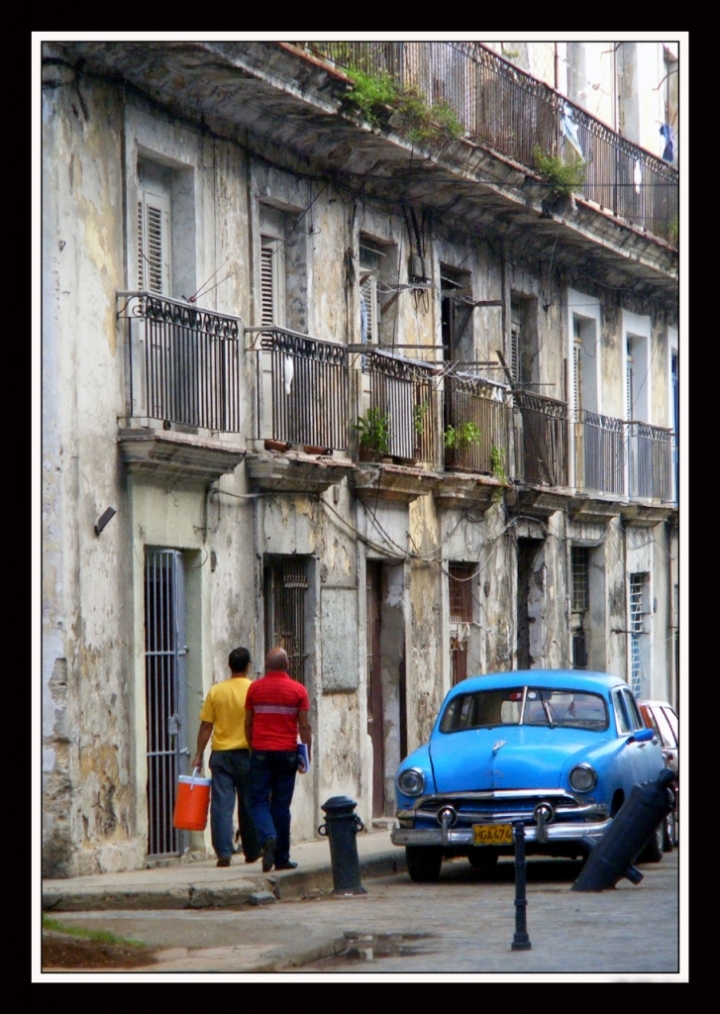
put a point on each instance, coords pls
(154, 242)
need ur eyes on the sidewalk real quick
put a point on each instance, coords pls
(198, 885)
(462, 925)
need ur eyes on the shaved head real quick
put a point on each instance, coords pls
(277, 660)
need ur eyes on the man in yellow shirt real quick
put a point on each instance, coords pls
(223, 717)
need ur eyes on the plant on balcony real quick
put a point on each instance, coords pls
(563, 178)
(379, 98)
(673, 230)
(497, 464)
(458, 437)
(419, 413)
(374, 430)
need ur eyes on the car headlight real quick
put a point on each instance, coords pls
(411, 782)
(583, 778)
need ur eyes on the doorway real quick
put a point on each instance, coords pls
(386, 697)
(165, 695)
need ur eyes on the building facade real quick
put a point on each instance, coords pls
(359, 379)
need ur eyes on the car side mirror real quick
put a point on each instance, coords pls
(641, 736)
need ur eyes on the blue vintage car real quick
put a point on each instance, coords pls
(556, 749)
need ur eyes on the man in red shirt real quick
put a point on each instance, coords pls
(276, 709)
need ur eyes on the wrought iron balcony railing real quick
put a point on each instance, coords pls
(302, 389)
(600, 453)
(472, 400)
(650, 461)
(621, 458)
(403, 393)
(184, 362)
(541, 446)
(509, 110)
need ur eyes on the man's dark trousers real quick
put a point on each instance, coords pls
(230, 779)
(272, 783)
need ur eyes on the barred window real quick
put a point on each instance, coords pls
(460, 581)
(580, 580)
(285, 598)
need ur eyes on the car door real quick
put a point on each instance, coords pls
(637, 761)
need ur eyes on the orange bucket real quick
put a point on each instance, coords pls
(191, 803)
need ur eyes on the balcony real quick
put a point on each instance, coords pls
(487, 407)
(301, 412)
(184, 375)
(512, 112)
(650, 462)
(616, 461)
(541, 455)
(403, 394)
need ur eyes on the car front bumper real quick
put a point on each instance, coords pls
(463, 836)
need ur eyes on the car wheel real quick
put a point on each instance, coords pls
(423, 863)
(483, 858)
(653, 851)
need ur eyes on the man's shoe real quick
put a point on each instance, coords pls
(254, 858)
(268, 854)
(289, 865)
(224, 861)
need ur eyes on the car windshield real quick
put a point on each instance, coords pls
(484, 709)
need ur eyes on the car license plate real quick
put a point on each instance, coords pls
(492, 834)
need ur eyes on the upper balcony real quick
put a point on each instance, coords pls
(616, 461)
(183, 390)
(513, 113)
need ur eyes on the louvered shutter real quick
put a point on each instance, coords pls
(368, 295)
(154, 243)
(267, 286)
(515, 352)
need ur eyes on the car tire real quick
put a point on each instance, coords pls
(653, 851)
(423, 863)
(483, 858)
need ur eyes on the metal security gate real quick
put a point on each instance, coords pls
(165, 703)
(636, 629)
(285, 593)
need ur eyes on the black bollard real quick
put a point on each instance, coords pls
(340, 828)
(629, 833)
(521, 940)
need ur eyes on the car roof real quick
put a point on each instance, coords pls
(558, 679)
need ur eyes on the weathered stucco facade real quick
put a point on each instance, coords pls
(339, 270)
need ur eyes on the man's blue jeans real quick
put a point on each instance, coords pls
(272, 783)
(230, 779)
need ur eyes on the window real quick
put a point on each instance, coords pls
(456, 313)
(460, 584)
(461, 578)
(285, 588)
(638, 584)
(153, 222)
(523, 349)
(369, 305)
(585, 366)
(272, 266)
(580, 603)
(580, 579)
(637, 403)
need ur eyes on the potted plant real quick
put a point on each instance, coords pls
(374, 430)
(457, 438)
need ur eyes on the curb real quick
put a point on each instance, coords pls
(288, 886)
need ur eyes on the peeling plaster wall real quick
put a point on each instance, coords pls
(89, 822)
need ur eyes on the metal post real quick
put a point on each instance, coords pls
(341, 827)
(521, 940)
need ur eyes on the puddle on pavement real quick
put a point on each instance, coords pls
(363, 947)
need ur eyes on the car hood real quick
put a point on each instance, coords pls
(508, 757)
